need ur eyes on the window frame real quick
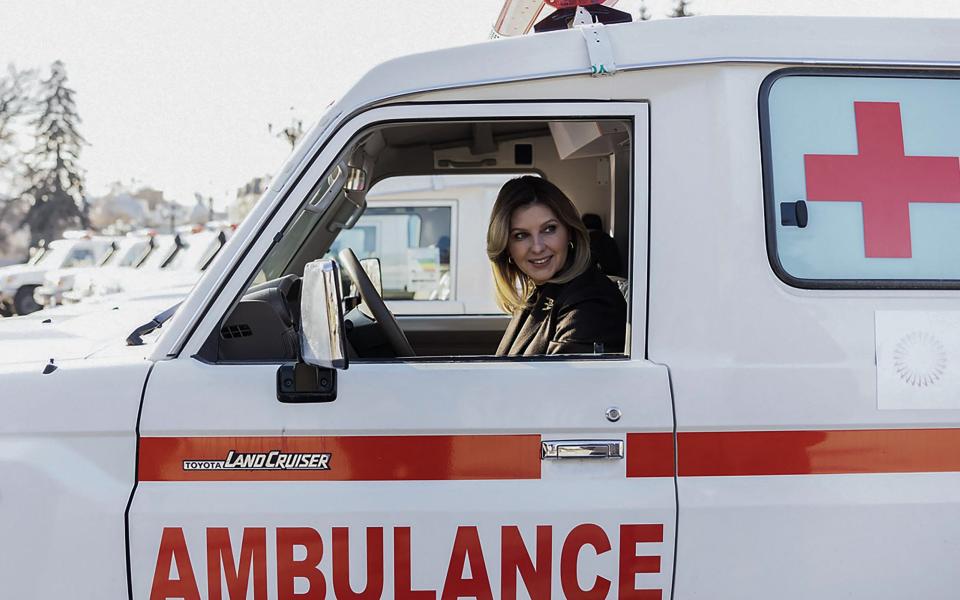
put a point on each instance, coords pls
(769, 201)
(216, 293)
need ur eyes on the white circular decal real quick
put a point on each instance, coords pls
(920, 359)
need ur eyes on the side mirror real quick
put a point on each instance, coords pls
(322, 341)
(372, 268)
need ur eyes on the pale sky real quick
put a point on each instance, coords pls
(177, 94)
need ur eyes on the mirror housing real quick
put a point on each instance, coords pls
(372, 268)
(322, 341)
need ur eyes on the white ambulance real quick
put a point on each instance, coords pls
(423, 230)
(77, 250)
(783, 423)
(130, 251)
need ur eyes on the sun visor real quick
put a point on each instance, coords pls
(583, 139)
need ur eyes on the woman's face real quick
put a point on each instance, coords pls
(538, 242)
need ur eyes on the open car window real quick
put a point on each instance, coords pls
(417, 198)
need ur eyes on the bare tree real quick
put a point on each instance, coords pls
(54, 182)
(681, 8)
(291, 133)
(14, 101)
(643, 13)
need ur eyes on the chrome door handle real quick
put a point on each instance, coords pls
(581, 449)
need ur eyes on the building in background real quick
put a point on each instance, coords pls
(247, 196)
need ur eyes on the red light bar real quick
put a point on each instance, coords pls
(563, 18)
(558, 4)
(517, 17)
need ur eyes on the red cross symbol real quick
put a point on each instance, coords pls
(883, 179)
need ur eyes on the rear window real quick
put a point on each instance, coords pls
(862, 178)
(413, 245)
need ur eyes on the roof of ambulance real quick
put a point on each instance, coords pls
(664, 42)
(660, 43)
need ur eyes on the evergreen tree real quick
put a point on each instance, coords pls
(681, 8)
(54, 188)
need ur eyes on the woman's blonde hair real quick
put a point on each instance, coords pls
(512, 287)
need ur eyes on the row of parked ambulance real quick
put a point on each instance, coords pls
(83, 267)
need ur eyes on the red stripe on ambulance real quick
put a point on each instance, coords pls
(810, 452)
(650, 455)
(479, 457)
(350, 458)
(299, 550)
(818, 452)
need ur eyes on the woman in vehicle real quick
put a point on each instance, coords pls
(545, 277)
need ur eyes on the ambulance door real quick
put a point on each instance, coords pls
(443, 478)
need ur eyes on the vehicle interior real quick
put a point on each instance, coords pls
(416, 279)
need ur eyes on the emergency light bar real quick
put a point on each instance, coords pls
(558, 4)
(518, 17)
(563, 18)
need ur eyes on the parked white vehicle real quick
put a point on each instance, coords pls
(131, 251)
(422, 229)
(181, 269)
(18, 282)
(109, 279)
(177, 262)
(782, 422)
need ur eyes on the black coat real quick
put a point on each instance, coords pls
(584, 316)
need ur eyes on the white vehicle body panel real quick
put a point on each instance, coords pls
(236, 402)
(67, 464)
(80, 330)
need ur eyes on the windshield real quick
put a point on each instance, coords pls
(165, 245)
(131, 252)
(196, 251)
(278, 260)
(52, 256)
(38, 256)
(113, 250)
(80, 256)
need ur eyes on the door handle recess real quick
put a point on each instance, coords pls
(581, 449)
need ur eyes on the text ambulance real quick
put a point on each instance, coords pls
(784, 196)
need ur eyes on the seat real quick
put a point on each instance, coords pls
(603, 248)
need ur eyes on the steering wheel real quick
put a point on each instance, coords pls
(368, 293)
